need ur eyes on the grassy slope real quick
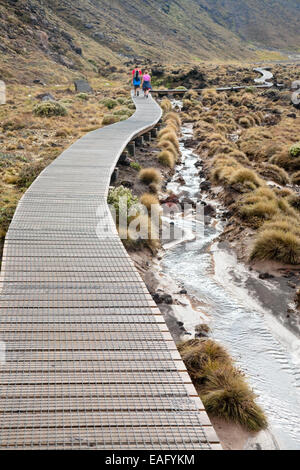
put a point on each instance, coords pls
(176, 31)
(270, 23)
(201, 28)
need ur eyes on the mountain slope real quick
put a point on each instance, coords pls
(87, 35)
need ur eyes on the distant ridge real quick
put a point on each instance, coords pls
(85, 34)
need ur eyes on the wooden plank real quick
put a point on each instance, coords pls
(90, 362)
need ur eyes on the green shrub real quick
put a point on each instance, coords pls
(122, 112)
(135, 165)
(121, 199)
(50, 108)
(82, 96)
(295, 150)
(109, 103)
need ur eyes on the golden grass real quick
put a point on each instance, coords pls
(150, 175)
(245, 176)
(221, 386)
(278, 245)
(109, 119)
(166, 105)
(166, 158)
(149, 200)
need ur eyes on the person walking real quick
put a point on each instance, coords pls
(136, 80)
(146, 84)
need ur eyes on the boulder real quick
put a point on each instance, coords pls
(82, 86)
(205, 185)
(266, 276)
(45, 97)
(209, 210)
(162, 298)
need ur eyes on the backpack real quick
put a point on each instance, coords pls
(137, 75)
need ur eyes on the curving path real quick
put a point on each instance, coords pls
(265, 78)
(90, 363)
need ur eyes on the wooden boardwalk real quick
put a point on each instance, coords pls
(90, 363)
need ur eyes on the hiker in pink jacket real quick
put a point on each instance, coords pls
(146, 84)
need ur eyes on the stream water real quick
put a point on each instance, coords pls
(228, 293)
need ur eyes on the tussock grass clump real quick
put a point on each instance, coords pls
(109, 119)
(149, 200)
(171, 137)
(229, 397)
(64, 132)
(149, 237)
(223, 168)
(166, 105)
(150, 175)
(274, 173)
(30, 172)
(173, 117)
(296, 178)
(167, 145)
(50, 108)
(151, 203)
(278, 245)
(221, 386)
(245, 122)
(241, 157)
(13, 124)
(166, 158)
(246, 177)
(122, 112)
(261, 209)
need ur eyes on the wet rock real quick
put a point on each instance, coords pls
(78, 50)
(198, 164)
(127, 184)
(180, 180)
(183, 292)
(205, 185)
(292, 285)
(162, 298)
(190, 143)
(172, 199)
(266, 276)
(289, 274)
(37, 81)
(209, 210)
